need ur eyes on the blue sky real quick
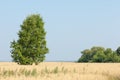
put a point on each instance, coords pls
(71, 25)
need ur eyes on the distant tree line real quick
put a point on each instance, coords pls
(100, 54)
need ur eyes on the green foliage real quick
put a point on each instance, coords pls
(99, 54)
(118, 51)
(99, 57)
(86, 56)
(56, 70)
(34, 72)
(19, 72)
(31, 45)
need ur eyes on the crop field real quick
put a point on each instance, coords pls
(60, 71)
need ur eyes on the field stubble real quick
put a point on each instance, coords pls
(60, 71)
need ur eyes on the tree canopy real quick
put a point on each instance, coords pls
(100, 54)
(31, 45)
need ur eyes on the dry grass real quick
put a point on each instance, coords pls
(60, 71)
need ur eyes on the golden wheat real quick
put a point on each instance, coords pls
(60, 71)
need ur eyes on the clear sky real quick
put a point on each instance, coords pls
(71, 25)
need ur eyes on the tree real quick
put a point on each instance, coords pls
(100, 54)
(31, 45)
(118, 51)
(95, 54)
(99, 57)
(109, 55)
(86, 56)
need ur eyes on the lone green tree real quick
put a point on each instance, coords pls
(31, 44)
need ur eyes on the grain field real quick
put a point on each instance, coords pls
(60, 71)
